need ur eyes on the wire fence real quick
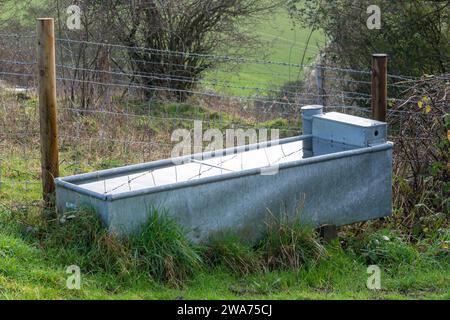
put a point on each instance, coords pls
(119, 104)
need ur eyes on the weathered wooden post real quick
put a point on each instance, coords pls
(379, 87)
(47, 107)
(320, 79)
(328, 233)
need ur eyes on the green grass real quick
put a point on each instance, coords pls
(34, 258)
(291, 244)
(284, 42)
(162, 250)
(22, 11)
(26, 272)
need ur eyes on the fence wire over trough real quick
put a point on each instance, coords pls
(119, 104)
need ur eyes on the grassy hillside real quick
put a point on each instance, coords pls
(284, 42)
(23, 11)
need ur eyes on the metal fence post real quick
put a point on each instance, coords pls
(47, 107)
(320, 75)
(379, 87)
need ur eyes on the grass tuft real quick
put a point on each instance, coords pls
(164, 252)
(79, 238)
(236, 255)
(291, 244)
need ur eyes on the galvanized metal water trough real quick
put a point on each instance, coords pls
(339, 171)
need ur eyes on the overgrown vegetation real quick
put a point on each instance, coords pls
(235, 254)
(291, 243)
(164, 262)
(415, 34)
(163, 251)
(422, 150)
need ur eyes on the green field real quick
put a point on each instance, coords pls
(284, 42)
(20, 11)
(281, 40)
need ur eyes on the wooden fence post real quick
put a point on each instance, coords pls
(379, 87)
(47, 107)
(328, 233)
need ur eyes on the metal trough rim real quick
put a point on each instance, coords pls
(328, 114)
(69, 182)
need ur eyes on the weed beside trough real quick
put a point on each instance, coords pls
(387, 249)
(160, 262)
(163, 251)
(291, 244)
(234, 254)
(78, 238)
(287, 244)
(160, 250)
